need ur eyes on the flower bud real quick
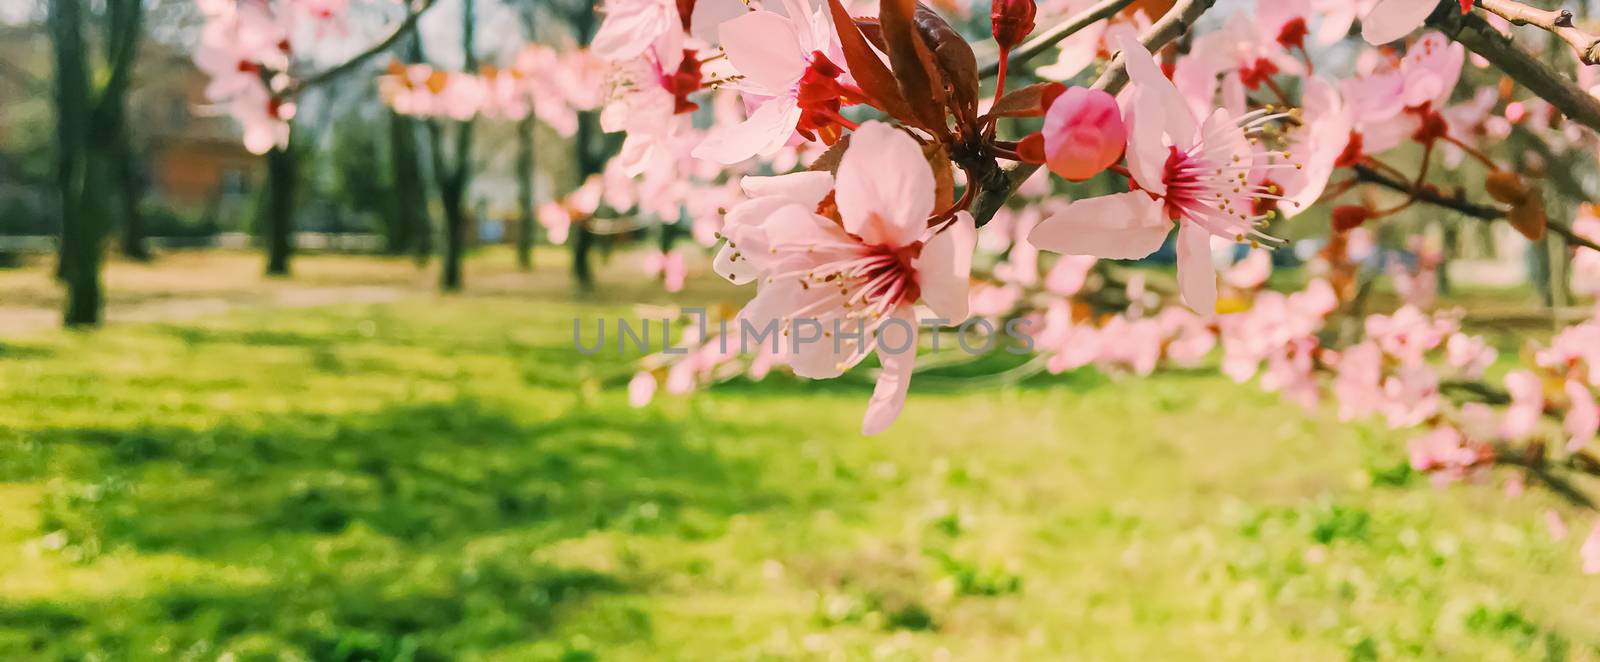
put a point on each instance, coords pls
(1012, 21)
(1083, 133)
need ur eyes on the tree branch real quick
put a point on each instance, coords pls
(1556, 22)
(1174, 24)
(409, 23)
(1465, 207)
(1481, 38)
(1043, 41)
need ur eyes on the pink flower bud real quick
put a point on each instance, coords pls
(1083, 133)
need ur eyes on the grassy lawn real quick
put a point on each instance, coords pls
(444, 478)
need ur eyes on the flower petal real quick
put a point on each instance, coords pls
(764, 47)
(1121, 226)
(1197, 279)
(889, 396)
(944, 270)
(885, 188)
(1392, 20)
(764, 132)
(807, 187)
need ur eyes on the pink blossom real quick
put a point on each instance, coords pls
(641, 389)
(1251, 272)
(1590, 551)
(1583, 415)
(1408, 334)
(866, 272)
(1469, 354)
(1411, 396)
(1358, 386)
(1083, 133)
(1527, 405)
(1069, 274)
(1556, 526)
(1337, 18)
(1189, 172)
(778, 57)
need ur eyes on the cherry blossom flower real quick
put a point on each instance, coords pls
(791, 78)
(1194, 173)
(1583, 415)
(1527, 404)
(862, 274)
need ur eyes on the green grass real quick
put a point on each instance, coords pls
(445, 479)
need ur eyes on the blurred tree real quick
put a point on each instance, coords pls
(452, 172)
(525, 193)
(90, 140)
(276, 220)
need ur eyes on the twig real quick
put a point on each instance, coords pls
(1481, 38)
(1556, 22)
(1053, 36)
(1465, 207)
(408, 24)
(1171, 26)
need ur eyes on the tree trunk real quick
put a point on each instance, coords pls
(408, 220)
(525, 193)
(582, 244)
(77, 266)
(130, 191)
(455, 229)
(278, 212)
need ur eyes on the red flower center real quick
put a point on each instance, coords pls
(685, 81)
(821, 96)
(1293, 34)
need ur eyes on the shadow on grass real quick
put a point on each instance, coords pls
(362, 525)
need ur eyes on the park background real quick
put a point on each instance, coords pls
(346, 461)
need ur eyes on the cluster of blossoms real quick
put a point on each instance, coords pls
(246, 48)
(549, 84)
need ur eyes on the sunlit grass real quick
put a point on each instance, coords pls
(444, 478)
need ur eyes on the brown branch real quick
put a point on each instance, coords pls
(1472, 31)
(1043, 41)
(409, 23)
(1556, 22)
(1463, 206)
(1174, 24)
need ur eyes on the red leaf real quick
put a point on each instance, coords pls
(1030, 101)
(914, 68)
(870, 73)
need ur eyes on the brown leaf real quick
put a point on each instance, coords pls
(913, 63)
(1030, 101)
(1529, 218)
(873, 31)
(870, 73)
(957, 64)
(944, 177)
(1505, 187)
(829, 161)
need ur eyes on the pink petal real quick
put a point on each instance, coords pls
(807, 187)
(1122, 226)
(944, 270)
(889, 396)
(1197, 279)
(885, 188)
(1392, 20)
(1583, 418)
(764, 132)
(764, 47)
